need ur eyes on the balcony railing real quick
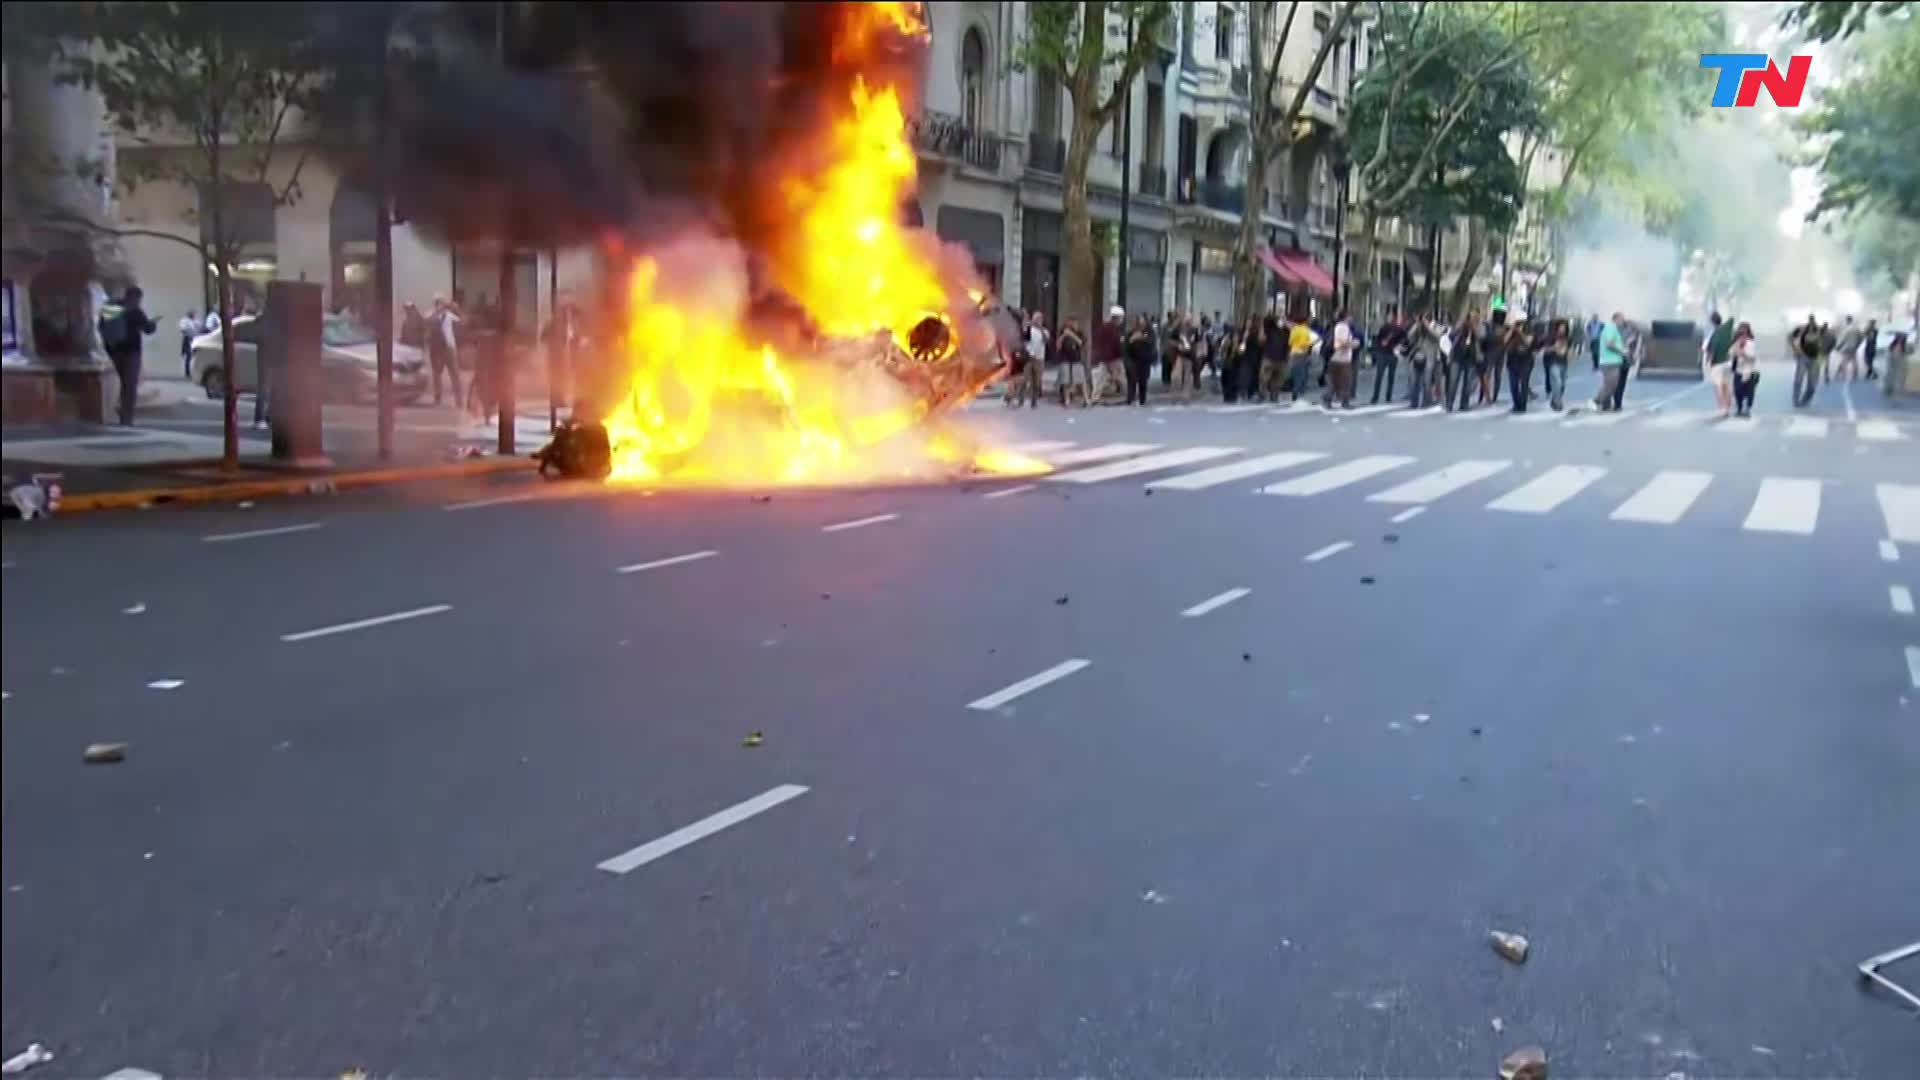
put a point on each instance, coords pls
(1153, 180)
(947, 136)
(1046, 154)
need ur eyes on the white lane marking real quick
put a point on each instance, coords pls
(498, 500)
(1785, 504)
(1900, 505)
(1238, 470)
(1408, 514)
(1170, 459)
(1004, 492)
(629, 861)
(1678, 394)
(1846, 398)
(1664, 499)
(1679, 419)
(1913, 665)
(166, 684)
(364, 624)
(1042, 446)
(1808, 427)
(1412, 414)
(1028, 685)
(1878, 431)
(1100, 453)
(1901, 598)
(1481, 412)
(1229, 410)
(860, 523)
(1440, 482)
(1329, 551)
(1736, 425)
(223, 538)
(1292, 408)
(1212, 603)
(1536, 416)
(1339, 476)
(1889, 551)
(1596, 418)
(1546, 492)
(671, 560)
(1365, 410)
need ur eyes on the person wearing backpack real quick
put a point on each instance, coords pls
(123, 325)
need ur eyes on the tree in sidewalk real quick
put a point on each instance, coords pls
(1093, 49)
(227, 81)
(1826, 20)
(1431, 122)
(1270, 124)
(1868, 143)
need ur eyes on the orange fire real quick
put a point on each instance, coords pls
(706, 403)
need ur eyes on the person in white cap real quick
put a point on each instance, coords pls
(1106, 354)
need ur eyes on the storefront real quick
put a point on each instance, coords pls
(1146, 272)
(983, 234)
(1040, 236)
(1212, 280)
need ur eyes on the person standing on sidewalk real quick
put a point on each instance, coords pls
(1139, 352)
(1388, 341)
(1719, 354)
(1521, 342)
(1613, 361)
(189, 329)
(123, 329)
(1553, 361)
(1340, 364)
(443, 347)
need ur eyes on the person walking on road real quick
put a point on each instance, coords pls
(1870, 345)
(1613, 361)
(1636, 344)
(1463, 366)
(1386, 346)
(1805, 341)
(1899, 354)
(1847, 352)
(1595, 327)
(1520, 346)
(1139, 351)
(1746, 370)
(1719, 356)
(123, 329)
(1553, 363)
(1075, 381)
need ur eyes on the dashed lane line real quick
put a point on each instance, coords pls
(628, 861)
(1028, 685)
(859, 523)
(1214, 603)
(1329, 551)
(255, 534)
(366, 624)
(671, 560)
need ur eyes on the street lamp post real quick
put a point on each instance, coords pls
(1126, 181)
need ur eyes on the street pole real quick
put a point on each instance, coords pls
(1126, 180)
(382, 256)
(503, 380)
(1340, 234)
(554, 343)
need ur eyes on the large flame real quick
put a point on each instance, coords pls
(707, 402)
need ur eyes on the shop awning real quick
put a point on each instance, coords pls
(1296, 270)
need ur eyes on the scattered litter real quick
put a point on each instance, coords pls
(754, 738)
(104, 753)
(893, 973)
(1301, 765)
(826, 596)
(136, 609)
(1061, 600)
(1149, 492)
(248, 505)
(494, 877)
(1498, 1025)
(1512, 947)
(1366, 581)
(1628, 740)
(34, 1054)
(326, 487)
(623, 643)
(1526, 1063)
(1153, 897)
(58, 670)
(1642, 803)
(5, 695)
(1247, 657)
(283, 746)
(1155, 420)
(1657, 729)
(166, 684)
(1391, 538)
(1758, 1049)
(1393, 725)
(763, 498)
(16, 888)
(354, 1074)
(1286, 943)
(146, 856)
(851, 838)
(1473, 731)
(1421, 718)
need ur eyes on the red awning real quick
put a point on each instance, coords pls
(1296, 270)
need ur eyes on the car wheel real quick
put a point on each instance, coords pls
(215, 381)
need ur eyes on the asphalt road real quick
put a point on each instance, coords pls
(1267, 836)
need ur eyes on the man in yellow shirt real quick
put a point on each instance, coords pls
(1300, 343)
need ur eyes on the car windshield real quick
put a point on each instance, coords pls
(343, 331)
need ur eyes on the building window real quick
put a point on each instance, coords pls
(1046, 106)
(1222, 32)
(973, 79)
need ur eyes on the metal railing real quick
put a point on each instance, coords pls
(948, 136)
(1222, 196)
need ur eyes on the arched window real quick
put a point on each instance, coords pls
(973, 79)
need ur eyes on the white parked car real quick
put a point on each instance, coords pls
(348, 362)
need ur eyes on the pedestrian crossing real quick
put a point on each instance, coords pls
(1786, 505)
(1864, 429)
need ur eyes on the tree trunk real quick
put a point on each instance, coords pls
(223, 278)
(1476, 251)
(1079, 293)
(1364, 258)
(1250, 285)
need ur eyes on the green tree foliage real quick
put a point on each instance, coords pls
(1825, 20)
(1093, 49)
(1865, 130)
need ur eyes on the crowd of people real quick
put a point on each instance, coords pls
(1456, 365)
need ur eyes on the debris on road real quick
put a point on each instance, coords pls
(1391, 538)
(247, 505)
(1247, 657)
(104, 753)
(1498, 1025)
(1474, 732)
(1526, 1063)
(1511, 947)
(34, 1054)
(763, 498)
(1421, 718)
(754, 738)
(1153, 896)
(1366, 581)
(1061, 600)
(166, 684)
(136, 609)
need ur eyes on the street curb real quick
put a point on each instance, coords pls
(318, 484)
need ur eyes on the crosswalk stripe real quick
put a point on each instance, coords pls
(1736, 425)
(1483, 412)
(1099, 453)
(1537, 416)
(1415, 414)
(1664, 499)
(1238, 470)
(1229, 410)
(1808, 427)
(1369, 410)
(1682, 418)
(1440, 482)
(1900, 505)
(1786, 505)
(1294, 408)
(1171, 459)
(1548, 490)
(1878, 431)
(1598, 419)
(1043, 446)
(1338, 476)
